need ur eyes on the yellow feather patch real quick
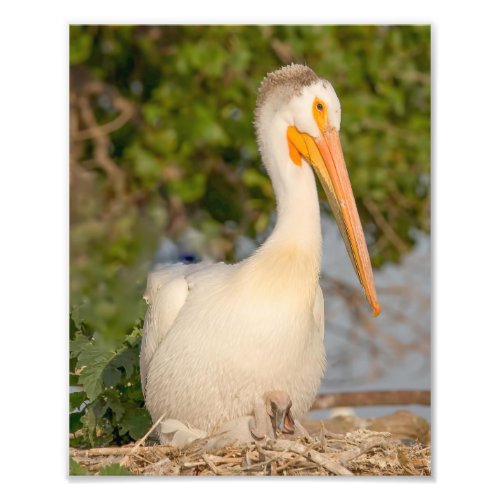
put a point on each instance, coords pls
(320, 114)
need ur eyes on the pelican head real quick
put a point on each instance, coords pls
(278, 404)
(298, 123)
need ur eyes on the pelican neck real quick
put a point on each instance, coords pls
(298, 222)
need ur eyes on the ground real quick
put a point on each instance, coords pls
(398, 444)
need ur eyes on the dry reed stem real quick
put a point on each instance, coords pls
(329, 464)
(125, 459)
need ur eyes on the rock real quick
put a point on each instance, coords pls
(403, 425)
(340, 424)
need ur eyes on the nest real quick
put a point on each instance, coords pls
(358, 452)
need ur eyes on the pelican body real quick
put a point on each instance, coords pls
(219, 336)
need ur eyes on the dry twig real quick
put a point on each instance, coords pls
(141, 441)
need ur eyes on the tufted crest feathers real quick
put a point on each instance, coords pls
(285, 83)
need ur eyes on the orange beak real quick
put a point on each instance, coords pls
(325, 155)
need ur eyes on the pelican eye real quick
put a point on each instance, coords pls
(320, 115)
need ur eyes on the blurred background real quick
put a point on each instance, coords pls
(165, 168)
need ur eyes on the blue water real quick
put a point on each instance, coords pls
(405, 318)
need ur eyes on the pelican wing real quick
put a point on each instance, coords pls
(166, 293)
(165, 286)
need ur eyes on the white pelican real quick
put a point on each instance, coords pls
(219, 336)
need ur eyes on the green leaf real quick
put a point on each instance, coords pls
(136, 422)
(146, 165)
(77, 316)
(114, 470)
(75, 469)
(111, 376)
(75, 422)
(94, 411)
(253, 178)
(77, 345)
(127, 358)
(93, 360)
(189, 189)
(116, 406)
(80, 45)
(76, 399)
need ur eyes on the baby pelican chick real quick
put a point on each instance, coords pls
(278, 408)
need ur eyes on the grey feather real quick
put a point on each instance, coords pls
(283, 84)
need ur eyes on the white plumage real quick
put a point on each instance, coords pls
(216, 340)
(216, 336)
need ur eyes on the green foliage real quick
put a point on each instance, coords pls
(110, 407)
(75, 469)
(162, 140)
(114, 470)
